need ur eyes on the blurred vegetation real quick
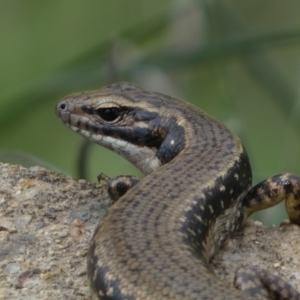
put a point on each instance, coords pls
(237, 60)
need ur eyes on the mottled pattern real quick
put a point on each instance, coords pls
(263, 285)
(272, 191)
(156, 240)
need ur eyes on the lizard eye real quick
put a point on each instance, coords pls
(109, 114)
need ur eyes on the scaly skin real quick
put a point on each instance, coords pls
(156, 241)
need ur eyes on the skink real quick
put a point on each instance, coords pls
(155, 242)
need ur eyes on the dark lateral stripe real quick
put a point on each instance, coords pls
(87, 109)
(215, 202)
(155, 131)
(138, 136)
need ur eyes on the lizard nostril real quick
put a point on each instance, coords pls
(61, 107)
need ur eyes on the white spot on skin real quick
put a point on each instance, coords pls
(228, 224)
(222, 188)
(172, 142)
(231, 191)
(222, 203)
(236, 176)
(211, 209)
(191, 232)
(110, 291)
(198, 218)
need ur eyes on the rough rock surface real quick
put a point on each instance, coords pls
(47, 220)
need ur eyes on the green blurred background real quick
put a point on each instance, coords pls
(237, 60)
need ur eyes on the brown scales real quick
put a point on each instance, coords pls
(156, 240)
